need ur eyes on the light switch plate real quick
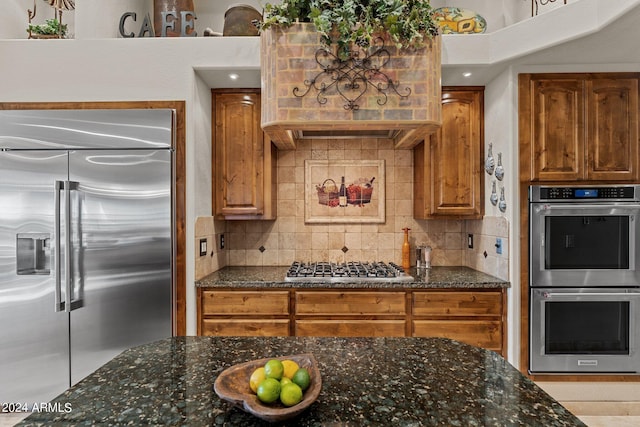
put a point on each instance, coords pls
(203, 247)
(499, 246)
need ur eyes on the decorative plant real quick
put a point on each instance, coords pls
(356, 22)
(51, 27)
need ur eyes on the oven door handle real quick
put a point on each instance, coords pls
(560, 296)
(629, 207)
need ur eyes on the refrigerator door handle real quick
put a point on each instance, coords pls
(69, 304)
(59, 304)
(73, 302)
(67, 247)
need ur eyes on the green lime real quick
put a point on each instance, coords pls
(268, 390)
(274, 369)
(302, 378)
(291, 394)
(284, 381)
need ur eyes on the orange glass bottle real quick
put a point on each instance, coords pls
(406, 250)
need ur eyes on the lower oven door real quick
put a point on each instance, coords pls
(584, 330)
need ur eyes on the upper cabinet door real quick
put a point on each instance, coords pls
(557, 130)
(612, 108)
(579, 127)
(448, 180)
(238, 154)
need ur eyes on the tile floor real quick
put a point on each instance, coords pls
(9, 420)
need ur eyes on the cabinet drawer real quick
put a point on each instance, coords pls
(483, 333)
(350, 303)
(350, 328)
(245, 302)
(245, 327)
(458, 303)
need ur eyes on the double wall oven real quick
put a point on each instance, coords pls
(584, 279)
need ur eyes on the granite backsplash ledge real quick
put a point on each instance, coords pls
(274, 277)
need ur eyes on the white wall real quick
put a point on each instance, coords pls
(500, 119)
(100, 19)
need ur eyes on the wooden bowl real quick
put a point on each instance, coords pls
(232, 385)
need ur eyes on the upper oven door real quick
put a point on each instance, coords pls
(584, 245)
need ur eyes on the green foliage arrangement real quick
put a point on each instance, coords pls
(51, 27)
(355, 22)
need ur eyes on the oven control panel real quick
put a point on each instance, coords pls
(628, 193)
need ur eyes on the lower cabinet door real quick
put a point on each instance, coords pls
(350, 328)
(480, 333)
(245, 327)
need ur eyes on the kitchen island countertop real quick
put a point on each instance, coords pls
(365, 381)
(273, 277)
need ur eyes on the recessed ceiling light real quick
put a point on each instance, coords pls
(467, 74)
(234, 76)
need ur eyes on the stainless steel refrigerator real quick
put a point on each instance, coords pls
(86, 245)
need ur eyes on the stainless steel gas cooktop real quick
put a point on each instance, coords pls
(353, 271)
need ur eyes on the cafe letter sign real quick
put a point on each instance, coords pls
(169, 19)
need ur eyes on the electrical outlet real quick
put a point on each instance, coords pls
(203, 247)
(499, 246)
(470, 241)
(221, 244)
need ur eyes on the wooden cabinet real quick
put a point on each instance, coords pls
(367, 303)
(350, 313)
(243, 313)
(244, 159)
(582, 127)
(448, 178)
(474, 317)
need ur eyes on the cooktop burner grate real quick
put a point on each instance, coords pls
(346, 272)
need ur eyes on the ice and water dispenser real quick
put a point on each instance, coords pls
(33, 253)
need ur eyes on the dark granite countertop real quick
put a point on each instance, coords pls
(365, 381)
(273, 277)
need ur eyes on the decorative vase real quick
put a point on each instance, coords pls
(502, 203)
(499, 169)
(175, 6)
(238, 21)
(494, 195)
(490, 163)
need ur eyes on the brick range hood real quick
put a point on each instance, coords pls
(288, 59)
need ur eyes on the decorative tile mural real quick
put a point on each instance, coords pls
(344, 191)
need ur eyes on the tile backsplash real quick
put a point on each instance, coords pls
(215, 258)
(288, 238)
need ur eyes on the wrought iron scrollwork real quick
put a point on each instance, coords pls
(534, 5)
(352, 77)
